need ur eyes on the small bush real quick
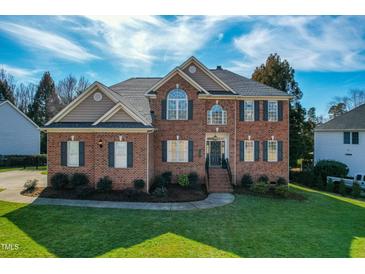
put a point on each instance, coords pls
(281, 181)
(246, 180)
(83, 191)
(330, 187)
(183, 180)
(160, 192)
(260, 187)
(281, 191)
(59, 181)
(356, 190)
(138, 184)
(158, 181)
(104, 184)
(263, 178)
(306, 178)
(78, 179)
(167, 176)
(193, 178)
(326, 168)
(30, 185)
(342, 188)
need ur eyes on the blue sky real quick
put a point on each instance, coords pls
(327, 52)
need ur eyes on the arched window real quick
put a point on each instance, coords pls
(177, 105)
(217, 116)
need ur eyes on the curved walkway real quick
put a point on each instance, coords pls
(12, 194)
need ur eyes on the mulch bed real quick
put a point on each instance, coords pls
(176, 193)
(291, 195)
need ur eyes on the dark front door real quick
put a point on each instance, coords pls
(215, 153)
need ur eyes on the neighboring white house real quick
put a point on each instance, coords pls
(343, 139)
(19, 135)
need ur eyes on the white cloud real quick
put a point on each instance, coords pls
(308, 43)
(17, 72)
(56, 44)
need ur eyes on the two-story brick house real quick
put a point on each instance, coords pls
(193, 119)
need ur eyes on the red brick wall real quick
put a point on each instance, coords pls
(96, 158)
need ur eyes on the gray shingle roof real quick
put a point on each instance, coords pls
(354, 120)
(100, 125)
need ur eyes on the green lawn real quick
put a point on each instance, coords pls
(41, 168)
(324, 225)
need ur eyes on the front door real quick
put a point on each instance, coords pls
(215, 153)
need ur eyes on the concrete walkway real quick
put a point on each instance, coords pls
(12, 194)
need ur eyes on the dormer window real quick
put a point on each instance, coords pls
(177, 105)
(217, 116)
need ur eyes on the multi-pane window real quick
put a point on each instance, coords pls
(351, 137)
(272, 109)
(73, 153)
(272, 151)
(177, 151)
(217, 116)
(355, 138)
(120, 154)
(249, 150)
(177, 105)
(249, 111)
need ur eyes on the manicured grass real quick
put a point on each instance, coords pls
(324, 225)
(40, 168)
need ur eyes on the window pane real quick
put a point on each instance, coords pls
(217, 116)
(120, 154)
(73, 153)
(249, 151)
(355, 138)
(182, 109)
(273, 110)
(346, 137)
(177, 151)
(272, 151)
(249, 111)
(171, 151)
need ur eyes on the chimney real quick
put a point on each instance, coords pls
(219, 67)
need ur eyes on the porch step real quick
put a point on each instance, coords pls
(219, 181)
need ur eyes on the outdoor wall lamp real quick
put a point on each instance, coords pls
(72, 137)
(100, 143)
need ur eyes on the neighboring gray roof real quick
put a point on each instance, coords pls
(244, 86)
(100, 125)
(354, 120)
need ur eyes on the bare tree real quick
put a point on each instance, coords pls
(355, 98)
(24, 96)
(70, 87)
(7, 86)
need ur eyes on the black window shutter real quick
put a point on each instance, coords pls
(191, 151)
(81, 153)
(257, 150)
(242, 110)
(280, 150)
(190, 110)
(164, 150)
(242, 150)
(130, 154)
(355, 138)
(63, 153)
(346, 137)
(265, 110)
(280, 110)
(111, 154)
(257, 110)
(163, 110)
(264, 154)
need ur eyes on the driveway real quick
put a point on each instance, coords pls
(16, 179)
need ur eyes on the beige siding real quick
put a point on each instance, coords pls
(89, 110)
(121, 116)
(203, 79)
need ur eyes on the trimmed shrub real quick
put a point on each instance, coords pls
(160, 192)
(23, 160)
(193, 178)
(281, 191)
(342, 188)
(306, 178)
(138, 184)
(104, 184)
(78, 179)
(167, 176)
(356, 190)
(263, 178)
(158, 181)
(281, 181)
(246, 180)
(326, 168)
(330, 187)
(30, 185)
(183, 180)
(59, 181)
(260, 187)
(320, 183)
(83, 191)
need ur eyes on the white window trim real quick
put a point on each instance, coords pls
(177, 152)
(253, 111)
(177, 108)
(253, 150)
(123, 161)
(69, 154)
(276, 154)
(277, 111)
(210, 117)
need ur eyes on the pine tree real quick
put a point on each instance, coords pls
(280, 75)
(7, 86)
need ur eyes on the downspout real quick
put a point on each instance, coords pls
(235, 142)
(148, 161)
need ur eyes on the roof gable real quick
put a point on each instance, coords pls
(6, 102)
